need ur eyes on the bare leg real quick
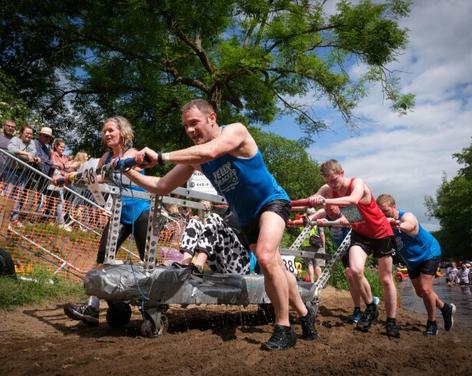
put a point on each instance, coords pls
(311, 272)
(294, 296)
(424, 288)
(317, 272)
(353, 288)
(357, 258)
(390, 291)
(267, 253)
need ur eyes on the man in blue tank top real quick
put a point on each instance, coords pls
(230, 159)
(421, 253)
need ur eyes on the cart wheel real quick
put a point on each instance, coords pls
(149, 330)
(267, 312)
(118, 315)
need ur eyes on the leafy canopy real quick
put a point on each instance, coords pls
(75, 61)
(453, 207)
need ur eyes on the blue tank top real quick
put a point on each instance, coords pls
(419, 248)
(246, 184)
(132, 207)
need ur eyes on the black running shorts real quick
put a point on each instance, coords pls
(378, 247)
(280, 207)
(428, 267)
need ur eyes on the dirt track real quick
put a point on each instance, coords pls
(225, 341)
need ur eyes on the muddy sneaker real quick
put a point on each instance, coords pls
(308, 325)
(283, 337)
(393, 330)
(82, 312)
(368, 317)
(448, 312)
(356, 315)
(431, 329)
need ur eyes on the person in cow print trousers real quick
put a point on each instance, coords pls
(216, 241)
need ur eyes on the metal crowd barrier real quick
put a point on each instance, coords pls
(57, 228)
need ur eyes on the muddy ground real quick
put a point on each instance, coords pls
(211, 340)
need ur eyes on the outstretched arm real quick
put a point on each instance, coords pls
(162, 186)
(235, 139)
(352, 199)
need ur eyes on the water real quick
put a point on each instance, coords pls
(461, 296)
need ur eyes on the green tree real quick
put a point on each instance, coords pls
(290, 164)
(74, 61)
(453, 207)
(11, 106)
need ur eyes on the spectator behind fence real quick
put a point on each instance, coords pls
(9, 128)
(43, 152)
(62, 166)
(22, 147)
(79, 210)
(78, 160)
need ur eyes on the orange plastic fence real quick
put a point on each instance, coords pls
(62, 232)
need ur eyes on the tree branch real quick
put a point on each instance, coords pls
(195, 46)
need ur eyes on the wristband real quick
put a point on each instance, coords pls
(163, 158)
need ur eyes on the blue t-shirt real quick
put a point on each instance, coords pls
(419, 248)
(246, 184)
(132, 207)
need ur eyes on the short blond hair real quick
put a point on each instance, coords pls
(386, 198)
(330, 167)
(126, 130)
(203, 105)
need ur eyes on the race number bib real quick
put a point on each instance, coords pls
(352, 214)
(89, 177)
(289, 262)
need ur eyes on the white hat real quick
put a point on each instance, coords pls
(46, 131)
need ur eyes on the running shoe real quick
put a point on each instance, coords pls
(392, 329)
(82, 312)
(356, 315)
(448, 312)
(308, 325)
(368, 317)
(431, 329)
(283, 337)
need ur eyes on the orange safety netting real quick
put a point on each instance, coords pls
(61, 229)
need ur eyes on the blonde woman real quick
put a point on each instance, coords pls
(118, 136)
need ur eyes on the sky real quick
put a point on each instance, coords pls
(408, 155)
